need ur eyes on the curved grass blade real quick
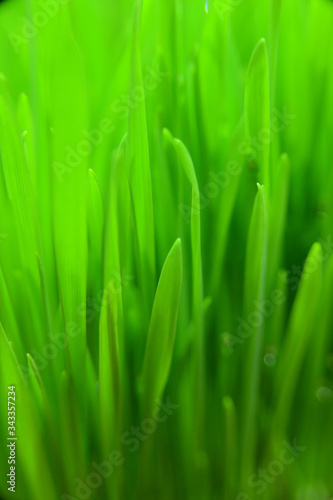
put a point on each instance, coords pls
(162, 329)
(299, 330)
(198, 362)
(197, 298)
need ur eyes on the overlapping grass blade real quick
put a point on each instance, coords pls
(162, 329)
(36, 479)
(254, 290)
(299, 330)
(139, 175)
(277, 216)
(69, 170)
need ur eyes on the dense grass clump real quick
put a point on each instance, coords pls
(166, 240)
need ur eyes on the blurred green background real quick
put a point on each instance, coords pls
(166, 235)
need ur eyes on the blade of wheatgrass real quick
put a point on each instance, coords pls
(197, 298)
(159, 348)
(69, 172)
(229, 189)
(299, 330)
(25, 229)
(45, 408)
(110, 381)
(25, 121)
(36, 476)
(162, 329)
(257, 111)
(8, 318)
(44, 294)
(320, 342)
(139, 174)
(176, 181)
(33, 114)
(92, 382)
(277, 217)
(19, 190)
(317, 382)
(41, 396)
(95, 220)
(319, 346)
(198, 344)
(275, 8)
(230, 452)
(254, 290)
(221, 82)
(109, 368)
(36, 382)
(118, 231)
(197, 286)
(276, 323)
(95, 231)
(71, 432)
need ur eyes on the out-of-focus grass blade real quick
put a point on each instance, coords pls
(230, 439)
(300, 327)
(229, 187)
(95, 232)
(96, 214)
(118, 227)
(69, 187)
(36, 381)
(256, 252)
(162, 329)
(320, 342)
(198, 344)
(109, 368)
(277, 216)
(19, 189)
(9, 319)
(36, 475)
(197, 297)
(275, 9)
(254, 289)
(257, 111)
(197, 286)
(139, 174)
(72, 436)
(25, 121)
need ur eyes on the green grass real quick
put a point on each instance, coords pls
(166, 231)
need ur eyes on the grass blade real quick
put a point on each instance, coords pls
(162, 329)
